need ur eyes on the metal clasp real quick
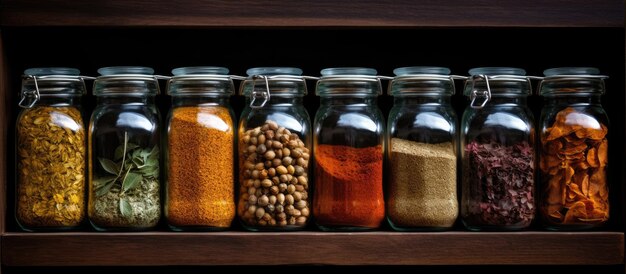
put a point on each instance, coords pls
(484, 95)
(263, 94)
(30, 94)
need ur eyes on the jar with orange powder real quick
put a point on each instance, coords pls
(200, 150)
(573, 161)
(349, 147)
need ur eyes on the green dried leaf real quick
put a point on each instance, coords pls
(143, 162)
(102, 181)
(150, 171)
(109, 166)
(103, 185)
(144, 153)
(152, 163)
(131, 181)
(119, 152)
(154, 154)
(138, 162)
(125, 208)
(136, 154)
(131, 146)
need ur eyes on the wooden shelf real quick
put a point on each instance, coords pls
(294, 248)
(321, 13)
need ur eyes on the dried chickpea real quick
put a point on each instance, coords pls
(274, 177)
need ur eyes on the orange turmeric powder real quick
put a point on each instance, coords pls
(348, 187)
(200, 189)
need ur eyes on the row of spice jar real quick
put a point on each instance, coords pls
(112, 171)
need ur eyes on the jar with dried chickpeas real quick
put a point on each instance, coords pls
(573, 151)
(274, 151)
(50, 150)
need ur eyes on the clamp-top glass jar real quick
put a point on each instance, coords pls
(50, 150)
(498, 155)
(349, 150)
(422, 134)
(574, 150)
(124, 138)
(274, 151)
(200, 151)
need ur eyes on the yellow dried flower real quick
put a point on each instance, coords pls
(51, 167)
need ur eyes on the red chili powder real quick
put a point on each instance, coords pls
(349, 186)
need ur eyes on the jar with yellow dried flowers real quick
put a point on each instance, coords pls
(573, 188)
(51, 150)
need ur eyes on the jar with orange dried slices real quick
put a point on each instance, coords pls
(573, 189)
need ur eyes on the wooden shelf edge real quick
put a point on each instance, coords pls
(321, 13)
(302, 248)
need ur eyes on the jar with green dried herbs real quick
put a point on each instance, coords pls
(124, 185)
(498, 151)
(51, 151)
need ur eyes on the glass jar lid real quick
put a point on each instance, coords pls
(126, 80)
(271, 71)
(498, 80)
(572, 81)
(205, 80)
(60, 71)
(485, 82)
(275, 80)
(349, 81)
(264, 82)
(50, 82)
(421, 80)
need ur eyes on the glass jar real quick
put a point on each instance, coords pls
(124, 151)
(274, 151)
(573, 156)
(497, 147)
(422, 162)
(200, 151)
(50, 150)
(349, 149)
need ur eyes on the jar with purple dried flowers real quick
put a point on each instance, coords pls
(497, 148)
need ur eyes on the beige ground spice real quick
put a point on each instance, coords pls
(51, 167)
(422, 191)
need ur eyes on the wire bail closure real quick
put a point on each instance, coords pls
(30, 94)
(484, 96)
(35, 94)
(263, 95)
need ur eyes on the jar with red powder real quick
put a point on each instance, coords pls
(349, 147)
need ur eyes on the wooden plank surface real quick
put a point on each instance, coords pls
(371, 248)
(291, 13)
